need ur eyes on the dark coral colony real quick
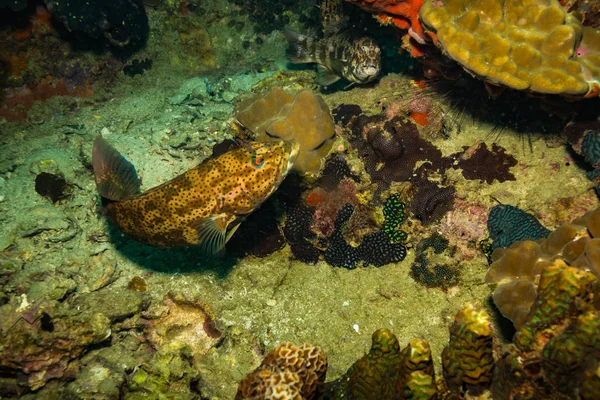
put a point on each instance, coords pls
(287, 200)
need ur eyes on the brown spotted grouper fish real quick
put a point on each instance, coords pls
(204, 206)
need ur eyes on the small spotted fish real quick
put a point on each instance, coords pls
(343, 52)
(204, 206)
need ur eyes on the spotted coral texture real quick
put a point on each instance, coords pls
(530, 45)
(304, 118)
(467, 361)
(288, 372)
(517, 268)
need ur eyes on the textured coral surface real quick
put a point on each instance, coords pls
(530, 45)
(517, 268)
(304, 118)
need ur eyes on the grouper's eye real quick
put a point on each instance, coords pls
(257, 160)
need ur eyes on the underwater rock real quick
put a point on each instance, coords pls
(124, 25)
(137, 67)
(54, 187)
(173, 375)
(179, 323)
(304, 118)
(41, 339)
(193, 92)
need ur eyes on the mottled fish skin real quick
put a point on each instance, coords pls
(224, 189)
(341, 52)
(356, 59)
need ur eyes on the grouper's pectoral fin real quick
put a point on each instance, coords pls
(215, 231)
(115, 177)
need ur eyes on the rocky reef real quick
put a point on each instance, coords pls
(378, 230)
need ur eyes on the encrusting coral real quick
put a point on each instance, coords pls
(517, 268)
(304, 118)
(533, 45)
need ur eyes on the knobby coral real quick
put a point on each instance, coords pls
(533, 45)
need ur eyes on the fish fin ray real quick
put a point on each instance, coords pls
(116, 178)
(214, 232)
(326, 76)
(297, 51)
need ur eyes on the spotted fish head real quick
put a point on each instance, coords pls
(262, 166)
(365, 64)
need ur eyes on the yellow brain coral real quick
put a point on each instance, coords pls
(287, 373)
(517, 269)
(304, 118)
(530, 45)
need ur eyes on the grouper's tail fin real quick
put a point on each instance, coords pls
(115, 177)
(298, 51)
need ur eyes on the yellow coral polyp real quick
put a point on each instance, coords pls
(554, 53)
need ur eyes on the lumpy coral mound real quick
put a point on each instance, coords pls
(530, 45)
(517, 269)
(304, 118)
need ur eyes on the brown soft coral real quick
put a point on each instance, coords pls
(304, 118)
(533, 45)
(517, 269)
